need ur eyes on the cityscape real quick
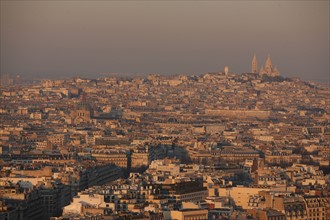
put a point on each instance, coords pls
(107, 145)
(215, 146)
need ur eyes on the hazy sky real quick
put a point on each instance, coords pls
(68, 38)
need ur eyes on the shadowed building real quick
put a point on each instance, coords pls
(83, 112)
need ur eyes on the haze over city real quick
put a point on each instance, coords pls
(164, 110)
(56, 39)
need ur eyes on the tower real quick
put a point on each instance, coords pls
(226, 69)
(254, 64)
(269, 65)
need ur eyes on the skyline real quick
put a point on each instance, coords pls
(67, 39)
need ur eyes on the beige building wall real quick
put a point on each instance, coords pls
(188, 215)
(44, 172)
(241, 194)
